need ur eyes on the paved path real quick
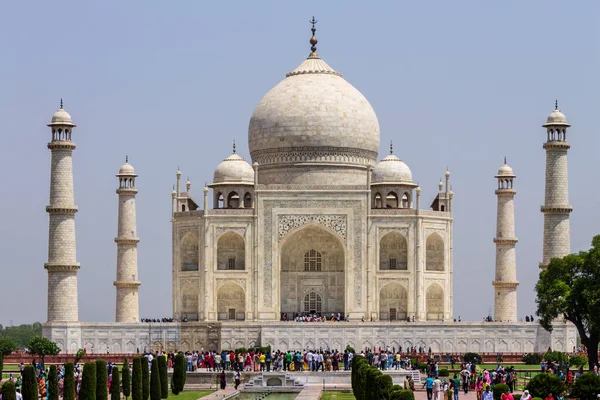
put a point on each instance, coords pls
(220, 394)
(310, 393)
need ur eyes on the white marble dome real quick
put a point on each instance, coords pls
(126, 169)
(234, 169)
(556, 118)
(314, 114)
(391, 170)
(61, 117)
(505, 171)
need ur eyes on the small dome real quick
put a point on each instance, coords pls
(556, 118)
(505, 172)
(234, 169)
(126, 169)
(391, 170)
(61, 117)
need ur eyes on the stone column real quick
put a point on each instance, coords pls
(127, 282)
(62, 266)
(505, 283)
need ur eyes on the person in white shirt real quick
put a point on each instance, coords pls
(437, 388)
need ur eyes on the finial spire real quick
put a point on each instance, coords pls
(555, 104)
(233, 146)
(313, 39)
(61, 103)
(391, 147)
(126, 159)
(504, 160)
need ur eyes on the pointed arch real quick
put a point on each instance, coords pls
(247, 200)
(405, 203)
(188, 252)
(434, 253)
(190, 302)
(219, 200)
(393, 302)
(231, 302)
(391, 200)
(434, 299)
(393, 252)
(233, 200)
(378, 200)
(231, 252)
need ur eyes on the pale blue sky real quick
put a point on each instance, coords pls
(459, 84)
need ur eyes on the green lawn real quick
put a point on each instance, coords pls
(191, 395)
(337, 396)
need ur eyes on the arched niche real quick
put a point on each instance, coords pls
(434, 299)
(434, 253)
(231, 252)
(233, 200)
(393, 252)
(391, 200)
(393, 302)
(188, 252)
(231, 302)
(189, 303)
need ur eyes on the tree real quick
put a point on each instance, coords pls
(69, 382)
(101, 380)
(164, 377)
(29, 388)
(542, 384)
(136, 379)
(1, 365)
(577, 361)
(126, 380)
(155, 391)
(586, 386)
(88, 382)
(43, 347)
(178, 378)
(53, 391)
(145, 379)
(115, 384)
(7, 345)
(9, 391)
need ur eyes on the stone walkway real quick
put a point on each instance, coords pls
(310, 393)
(220, 394)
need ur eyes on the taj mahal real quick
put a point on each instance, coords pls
(319, 221)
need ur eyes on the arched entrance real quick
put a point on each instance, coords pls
(231, 302)
(435, 302)
(312, 273)
(393, 302)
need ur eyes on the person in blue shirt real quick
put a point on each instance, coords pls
(429, 386)
(487, 395)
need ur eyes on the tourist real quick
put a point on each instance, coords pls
(549, 397)
(526, 395)
(237, 378)
(487, 395)
(429, 386)
(437, 388)
(466, 375)
(479, 387)
(222, 380)
(456, 386)
(263, 362)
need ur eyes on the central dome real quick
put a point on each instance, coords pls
(313, 116)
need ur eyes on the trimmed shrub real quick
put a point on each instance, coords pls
(384, 386)
(586, 386)
(469, 357)
(101, 380)
(578, 361)
(537, 398)
(53, 391)
(555, 356)
(532, 358)
(164, 377)
(8, 390)
(137, 379)
(356, 361)
(145, 378)
(361, 382)
(443, 372)
(542, 384)
(178, 378)
(517, 396)
(126, 380)
(402, 395)
(499, 390)
(115, 384)
(88, 382)
(155, 381)
(29, 388)
(69, 382)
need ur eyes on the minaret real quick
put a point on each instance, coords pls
(127, 282)
(62, 265)
(505, 283)
(556, 208)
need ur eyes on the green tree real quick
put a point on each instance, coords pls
(145, 379)
(101, 380)
(499, 390)
(7, 345)
(178, 378)
(164, 377)
(155, 391)
(29, 388)
(577, 361)
(115, 384)
(136, 379)
(1, 365)
(542, 384)
(567, 288)
(43, 347)
(69, 382)
(586, 386)
(384, 386)
(126, 380)
(88, 382)
(53, 391)
(9, 391)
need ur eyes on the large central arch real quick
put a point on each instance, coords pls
(312, 272)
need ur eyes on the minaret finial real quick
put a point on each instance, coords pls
(555, 104)
(61, 104)
(126, 159)
(313, 39)
(504, 160)
(233, 146)
(391, 147)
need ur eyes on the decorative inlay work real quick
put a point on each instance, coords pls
(385, 281)
(184, 230)
(223, 281)
(357, 209)
(385, 230)
(236, 229)
(505, 284)
(287, 223)
(332, 188)
(556, 209)
(317, 153)
(429, 281)
(556, 145)
(439, 231)
(189, 282)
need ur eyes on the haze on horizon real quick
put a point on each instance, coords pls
(454, 84)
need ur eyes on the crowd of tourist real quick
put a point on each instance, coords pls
(157, 320)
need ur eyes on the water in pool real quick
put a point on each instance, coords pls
(272, 396)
